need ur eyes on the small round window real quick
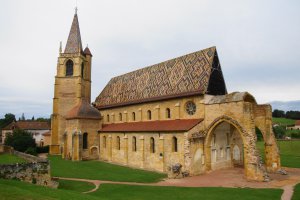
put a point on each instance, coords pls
(190, 107)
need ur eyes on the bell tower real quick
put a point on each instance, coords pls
(72, 83)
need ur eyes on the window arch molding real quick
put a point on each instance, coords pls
(69, 67)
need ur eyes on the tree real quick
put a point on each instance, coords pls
(23, 117)
(20, 140)
(8, 118)
(278, 113)
(32, 119)
(279, 131)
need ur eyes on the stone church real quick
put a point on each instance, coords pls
(174, 117)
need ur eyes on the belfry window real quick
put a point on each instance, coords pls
(168, 113)
(85, 141)
(69, 68)
(174, 144)
(118, 143)
(149, 115)
(133, 143)
(152, 145)
(82, 70)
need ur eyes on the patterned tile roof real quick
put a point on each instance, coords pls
(152, 126)
(74, 44)
(196, 73)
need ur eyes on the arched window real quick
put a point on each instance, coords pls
(149, 115)
(104, 141)
(82, 69)
(85, 141)
(174, 144)
(168, 113)
(107, 117)
(133, 143)
(118, 143)
(152, 145)
(69, 68)
(120, 117)
(133, 116)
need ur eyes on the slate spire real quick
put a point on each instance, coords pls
(74, 44)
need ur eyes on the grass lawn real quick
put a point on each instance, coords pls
(130, 192)
(100, 171)
(296, 195)
(10, 159)
(11, 189)
(283, 121)
(78, 186)
(289, 152)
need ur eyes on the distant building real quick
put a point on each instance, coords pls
(296, 126)
(36, 128)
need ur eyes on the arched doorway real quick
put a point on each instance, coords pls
(224, 146)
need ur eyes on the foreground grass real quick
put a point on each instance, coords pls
(10, 159)
(130, 192)
(289, 152)
(20, 190)
(97, 170)
(11, 190)
(78, 186)
(283, 121)
(296, 195)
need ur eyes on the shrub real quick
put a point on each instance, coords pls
(31, 151)
(44, 149)
(20, 140)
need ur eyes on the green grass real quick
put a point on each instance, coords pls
(11, 189)
(10, 159)
(78, 186)
(289, 152)
(100, 171)
(130, 192)
(283, 121)
(296, 195)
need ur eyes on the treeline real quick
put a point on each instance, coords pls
(9, 117)
(289, 114)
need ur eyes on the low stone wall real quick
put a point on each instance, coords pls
(36, 170)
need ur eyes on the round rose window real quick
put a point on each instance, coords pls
(190, 108)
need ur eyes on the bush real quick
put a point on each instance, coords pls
(20, 140)
(279, 131)
(44, 149)
(31, 151)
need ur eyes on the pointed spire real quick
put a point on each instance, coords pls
(74, 40)
(60, 47)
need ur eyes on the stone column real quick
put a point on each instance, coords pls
(142, 150)
(125, 149)
(140, 114)
(125, 116)
(161, 151)
(157, 109)
(177, 110)
(109, 148)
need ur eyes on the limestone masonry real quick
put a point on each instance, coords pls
(174, 117)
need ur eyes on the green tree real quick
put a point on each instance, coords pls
(20, 140)
(8, 118)
(279, 131)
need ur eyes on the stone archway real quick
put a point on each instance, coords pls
(245, 147)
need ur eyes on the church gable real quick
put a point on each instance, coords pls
(183, 76)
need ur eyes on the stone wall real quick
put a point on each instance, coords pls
(36, 170)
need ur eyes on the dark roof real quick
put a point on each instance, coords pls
(152, 126)
(74, 44)
(87, 51)
(196, 73)
(28, 125)
(83, 110)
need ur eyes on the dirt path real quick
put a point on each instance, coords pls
(232, 178)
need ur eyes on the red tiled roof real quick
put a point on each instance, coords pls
(28, 125)
(47, 133)
(152, 126)
(297, 122)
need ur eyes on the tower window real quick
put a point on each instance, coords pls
(69, 68)
(85, 141)
(133, 143)
(149, 115)
(82, 70)
(168, 113)
(133, 116)
(152, 145)
(174, 144)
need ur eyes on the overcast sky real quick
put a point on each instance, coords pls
(257, 42)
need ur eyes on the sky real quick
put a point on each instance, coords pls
(257, 42)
